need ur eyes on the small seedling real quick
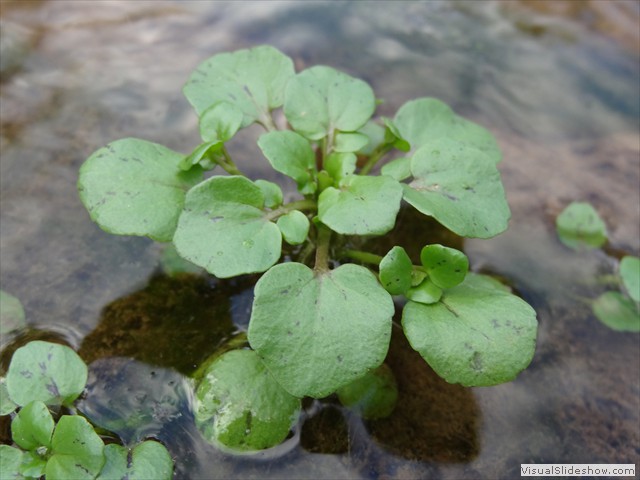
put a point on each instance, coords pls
(323, 321)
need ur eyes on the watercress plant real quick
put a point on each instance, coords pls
(324, 320)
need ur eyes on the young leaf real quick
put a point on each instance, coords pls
(349, 142)
(423, 120)
(375, 133)
(580, 226)
(203, 155)
(476, 335)
(272, 193)
(294, 227)
(33, 426)
(241, 406)
(361, 206)
(223, 228)
(630, 274)
(318, 331)
(77, 450)
(220, 122)
(320, 100)
(340, 165)
(12, 315)
(147, 460)
(446, 266)
(373, 396)
(460, 187)
(395, 271)
(7, 405)
(252, 80)
(617, 312)
(10, 461)
(400, 169)
(394, 137)
(291, 154)
(135, 187)
(426, 292)
(51, 373)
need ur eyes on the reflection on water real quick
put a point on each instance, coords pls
(556, 83)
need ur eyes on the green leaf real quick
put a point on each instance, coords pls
(294, 227)
(617, 312)
(12, 315)
(320, 100)
(375, 133)
(33, 465)
(147, 460)
(424, 120)
(135, 187)
(349, 142)
(373, 396)
(476, 335)
(292, 155)
(318, 331)
(460, 187)
(77, 450)
(630, 274)
(446, 266)
(224, 229)
(272, 193)
(203, 155)
(51, 373)
(361, 206)
(340, 165)
(33, 426)
(426, 292)
(400, 168)
(580, 226)
(7, 405)
(252, 80)
(220, 122)
(241, 406)
(395, 271)
(10, 461)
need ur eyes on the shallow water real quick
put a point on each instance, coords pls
(559, 88)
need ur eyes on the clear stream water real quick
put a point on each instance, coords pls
(556, 82)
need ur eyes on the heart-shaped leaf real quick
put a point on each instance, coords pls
(617, 312)
(395, 271)
(460, 187)
(320, 100)
(49, 372)
(224, 229)
(630, 274)
(318, 331)
(135, 187)
(476, 335)
(423, 120)
(33, 426)
(446, 266)
(580, 226)
(361, 206)
(147, 460)
(252, 80)
(241, 406)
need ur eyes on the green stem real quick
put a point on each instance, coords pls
(322, 249)
(364, 257)
(306, 204)
(267, 122)
(228, 165)
(377, 154)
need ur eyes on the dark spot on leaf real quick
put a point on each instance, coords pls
(476, 362)
(339, 357)
(26, 373)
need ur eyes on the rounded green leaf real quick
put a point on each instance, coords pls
(292, 155)
(446, 266)
(241, 406)
(147, 460)
(617, 312)
(476, 335)
(460, 187)
(12, 315)
(426, 119)
(321, 99)
(630, 274)
(33, 426)
(374, 395)
(51, 373)
(400, 169)
(253, 80)
(135, 187)
(425, 292)
(361, 206)
(580, 226)
(272, 193)
(318, 331)
(10, 461)
(294, 227)
(77, 451)
(395, 271)
(224, 229)
(220, 122)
